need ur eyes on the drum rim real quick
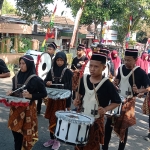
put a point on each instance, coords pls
(71, 119)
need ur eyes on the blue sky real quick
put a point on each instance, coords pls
(60, 7)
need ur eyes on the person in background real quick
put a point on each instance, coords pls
(88, 55)
(98, 48)
(80, 59)
(145, 64)
(51, 48)
(116, 61)
(139, 62)
(4, 72)
(76, 66)
(109, 70)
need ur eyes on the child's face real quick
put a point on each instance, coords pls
(59, 62)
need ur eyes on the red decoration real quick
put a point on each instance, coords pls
(10, 104)
(37, 64)
(82, 69)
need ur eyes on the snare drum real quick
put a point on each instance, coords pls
(14, 101)
(116, 111)
(73, 128)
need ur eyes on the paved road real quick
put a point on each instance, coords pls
(135, 139)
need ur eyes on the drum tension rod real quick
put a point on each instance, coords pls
(60, 121)
(66, 138)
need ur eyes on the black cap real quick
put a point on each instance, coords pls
(81, 46)
(131, 52)
(53, 45)
(99, 57)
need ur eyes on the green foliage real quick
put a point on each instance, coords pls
(10, 67)
(96, 11)
(33, 9)
(7, 8)
(141, 37)
(24, 44)
(139, 10)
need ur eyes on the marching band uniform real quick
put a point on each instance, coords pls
(77, 64)
(106, 92)
(57, 75)
(51, 48)
(23, 120)
(127, 80)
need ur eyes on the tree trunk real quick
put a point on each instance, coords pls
(1, 4)
(78, 16)
(96, 32)
(102, 24)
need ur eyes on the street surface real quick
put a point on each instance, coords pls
(135, 138)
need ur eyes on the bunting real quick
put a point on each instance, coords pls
(50, 34)
(129, 33)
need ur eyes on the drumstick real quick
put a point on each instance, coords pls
(18, 89)
(58, 84)
(75, 67)
(133, 78)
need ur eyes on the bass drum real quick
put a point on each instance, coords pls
(42, 61)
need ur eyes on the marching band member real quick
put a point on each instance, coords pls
(98, 48)
(4, 72)
(23, 120)
(51, 48)
(80, 59)
(109, 70)
(129, 79)
(59, 74)
(77, 64)
(96, 107)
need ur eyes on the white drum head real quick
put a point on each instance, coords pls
(74, 117)
(34, 54)
(44, 65)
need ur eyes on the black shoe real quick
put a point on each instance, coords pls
(147, 138)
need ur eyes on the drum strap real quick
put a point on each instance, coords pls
(62, 74)
(26, 82)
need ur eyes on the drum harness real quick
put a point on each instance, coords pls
(60, 78)
(128, 93)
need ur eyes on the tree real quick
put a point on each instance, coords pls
(96, 11)
(8, 8)
(1, 4)
(139, 10)
(33, 9)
